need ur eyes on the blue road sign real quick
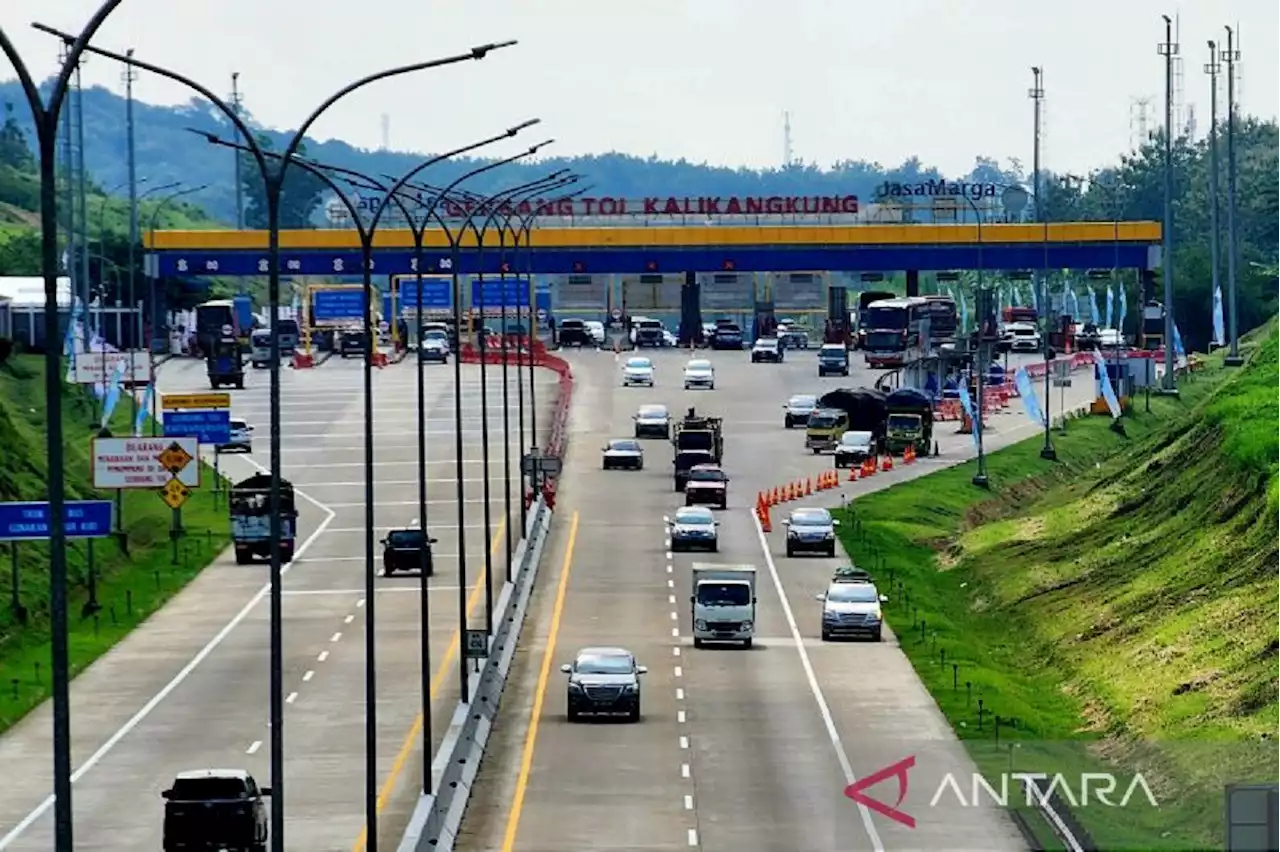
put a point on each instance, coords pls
(208, 425)
(512, 292)
(437, 294)
(30, 521)
(338, 305)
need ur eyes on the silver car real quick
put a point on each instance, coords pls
(623, 454)
(811, 531)
(637, 371)
(797, 410)
(851, 608)
(653, 421)
(694, 528)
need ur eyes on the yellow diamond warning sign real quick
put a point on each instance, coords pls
(174, 458)
(175, 494)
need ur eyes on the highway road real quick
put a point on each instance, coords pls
(189, 689)
(737, 750)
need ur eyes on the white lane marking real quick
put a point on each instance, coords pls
(671, 584)
(671, 599)
(666, 519)
(675, 616)
(688, 803)
(693, 837)
(292, 697)
(360, 602)
(675, 652)
(412, 521)
(253, 747)
(680, 696)
(680, 717)
(335, 637)
(823, 708)
(348, 619)
(185, 672)
(322, 656)
(684, 770)
(308, 675)
(679, 671)
(675, 632)
(669, 569)
(670, 556)
(684, 742)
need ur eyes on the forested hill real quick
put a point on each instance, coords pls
(168, 151)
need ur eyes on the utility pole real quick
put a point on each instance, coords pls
(130, 75)
(82, 195)
(71, 254)
(1232, 56)
(1168, 49)
(235, 106)
(1212, 69)
(1048, 452)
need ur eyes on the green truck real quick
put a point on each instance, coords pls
(908, 421)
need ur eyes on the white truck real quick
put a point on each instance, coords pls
(724, 604)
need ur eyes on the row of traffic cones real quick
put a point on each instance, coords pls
(766, 500)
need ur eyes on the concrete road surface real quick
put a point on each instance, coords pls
(737, 750)
(189, 688)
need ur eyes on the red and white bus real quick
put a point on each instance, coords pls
(893, 331)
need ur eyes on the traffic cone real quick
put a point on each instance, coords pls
(774, 497)
(808, 487)
(869, 467)
(887, 464)
(765, 523)
(853, 474)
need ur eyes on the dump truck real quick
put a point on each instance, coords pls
(724, 604)
(908, 421)
(696, 432)
(250, 506)
(864, 410)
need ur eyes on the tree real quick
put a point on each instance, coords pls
(299, 198)
(15, 151)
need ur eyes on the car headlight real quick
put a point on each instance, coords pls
(873, 617)
(746, 626)
(700, 625)
(829, 616)
(631, 688)
(830, 534)
(574, 686)
(792, 534)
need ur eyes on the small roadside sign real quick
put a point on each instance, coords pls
(208, 426)
(179, 401)
(1062, 383)
(80, 519)
(175, 494)
(135, 462)
(174, 458)
(477, 644)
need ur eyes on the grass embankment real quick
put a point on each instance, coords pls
(1117, 609)
(132, 581)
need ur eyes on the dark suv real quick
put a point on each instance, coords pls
(351, 343)
(400, 551)
(213, 809)
(727, 336)
(573, 332)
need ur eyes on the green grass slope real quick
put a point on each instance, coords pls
(1117, 609)
(133, 580)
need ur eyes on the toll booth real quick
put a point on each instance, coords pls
(1152, 332)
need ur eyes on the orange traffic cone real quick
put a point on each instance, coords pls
(887, 464)
(909, 454)
(869, 467)
(765, 523)
(786, 493)
(853, 474)
(808, 487)
(773, 496)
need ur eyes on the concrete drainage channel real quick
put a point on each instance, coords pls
(436, 819)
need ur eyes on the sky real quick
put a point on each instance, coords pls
(704, 80)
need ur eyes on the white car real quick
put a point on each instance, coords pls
(595, 328)
(699, 373)
(241, 438)
(653, 421)
(1022, 337)
(434, 347)
(637, 371)
(854, 448)
(669, 339)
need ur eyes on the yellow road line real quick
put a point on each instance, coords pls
(411, 739)
(531, 738)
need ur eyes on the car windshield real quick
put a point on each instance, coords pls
(858, 439)
(802, 401)
(853, 593)
(239, 425)
(724, 594)
(707, 475)
(890, 340)
(261, 338)
(638, 364)
(603, 664)
(903, 421)
(405, 538)
(823, 420)
(204, 789)
(835, 352)
(652, 411)
(811, 518)
(698, 365)
(624, 444)
(696, 515)
(576, 324)
(767, 344)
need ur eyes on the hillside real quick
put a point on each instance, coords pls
(1120, 606)
(133, 574)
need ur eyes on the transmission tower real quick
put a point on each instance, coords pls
(788, 156)
(1139, 121)
(1179, 98)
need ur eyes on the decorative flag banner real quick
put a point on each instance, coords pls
(1177, 342)
(1035, 299)
(113, 392)
(966, 402)
(964, 314)
(1104, 380)
(1219, 330)
(1111, 300)
(1017, 295)
(1073, 306)
(1027, 391)
(1124, 300)
(1093, 307)
(144, 410)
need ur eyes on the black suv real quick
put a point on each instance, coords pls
(604, 681)
(351, 343)
(400, 551)
(727, 336)
(573, 332)
(213, 809)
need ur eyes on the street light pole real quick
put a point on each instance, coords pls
(1036, 93)
(1168, 49)
(1232, 56)
(153, 272)
(1212, 68)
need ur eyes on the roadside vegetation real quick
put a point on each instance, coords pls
(1116, 610)
(135, 572)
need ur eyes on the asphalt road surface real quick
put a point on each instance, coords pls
(189, 688)
(737, 750)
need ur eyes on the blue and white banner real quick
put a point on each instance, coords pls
(1219, 325)
(1035, 299)
(1104, 381)
(144, 409)
(1017, 295)
(964, 314)
(1124, 301)
(1111, 304)
(1093, 307)
(114, 386)
(966, 402)
(1073, 305)
(1030, 402)
(1177, 342)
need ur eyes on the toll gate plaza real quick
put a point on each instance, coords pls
(680, 256)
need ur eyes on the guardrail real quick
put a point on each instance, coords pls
(437, 818)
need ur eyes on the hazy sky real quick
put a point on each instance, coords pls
(707, 80)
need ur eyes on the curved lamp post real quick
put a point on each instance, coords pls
(273, 178)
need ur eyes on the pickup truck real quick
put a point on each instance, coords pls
(724, 604)
(215, 809)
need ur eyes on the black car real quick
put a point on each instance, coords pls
(603, 681)
(573, 332)
(400, 551)
(649, 335)
(351, 343)
(833, 358)
(215, 809)
(727, 336)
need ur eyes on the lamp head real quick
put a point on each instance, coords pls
(512, 131)
(483, 50)
(533, 149)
